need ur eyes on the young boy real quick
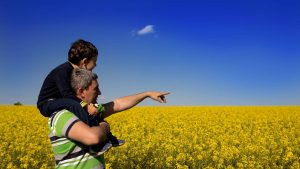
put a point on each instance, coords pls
(57, 94)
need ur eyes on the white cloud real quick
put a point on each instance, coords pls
(146, 30)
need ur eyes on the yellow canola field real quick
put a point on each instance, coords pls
(169, 137)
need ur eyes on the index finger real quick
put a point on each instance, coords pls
(165, 93)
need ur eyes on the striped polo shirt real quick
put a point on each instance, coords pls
(68, 153)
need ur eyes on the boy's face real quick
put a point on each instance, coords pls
(91, 64)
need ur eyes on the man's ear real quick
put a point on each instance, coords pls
(80, 92)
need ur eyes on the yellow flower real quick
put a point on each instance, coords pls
(169, 137)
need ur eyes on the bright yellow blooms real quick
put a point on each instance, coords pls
(169, 137)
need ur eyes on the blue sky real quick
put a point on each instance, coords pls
(203, 52)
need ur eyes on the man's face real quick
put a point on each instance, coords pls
(90, 94)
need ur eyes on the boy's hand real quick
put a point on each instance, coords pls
(92, 110)
(106, 128)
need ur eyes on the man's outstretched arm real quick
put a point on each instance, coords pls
(127, 102)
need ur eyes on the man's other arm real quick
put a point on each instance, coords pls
(88, 135)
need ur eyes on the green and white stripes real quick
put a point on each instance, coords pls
(68, 153)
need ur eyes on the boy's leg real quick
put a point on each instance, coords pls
(100, 148)
(110, 137)
(63, 103)
(114, 140)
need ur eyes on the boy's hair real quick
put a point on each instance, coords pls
(82, 78)
(81, 49)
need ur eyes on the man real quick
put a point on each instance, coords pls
(73, 140)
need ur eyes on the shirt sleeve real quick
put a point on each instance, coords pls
(62, 122)
(101, 110)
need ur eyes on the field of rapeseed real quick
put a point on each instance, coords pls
(169, 137)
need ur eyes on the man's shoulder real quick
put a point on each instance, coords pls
(62, 116)
(63, 112)
(61, 122)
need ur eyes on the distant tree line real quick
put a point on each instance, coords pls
(18, 104)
